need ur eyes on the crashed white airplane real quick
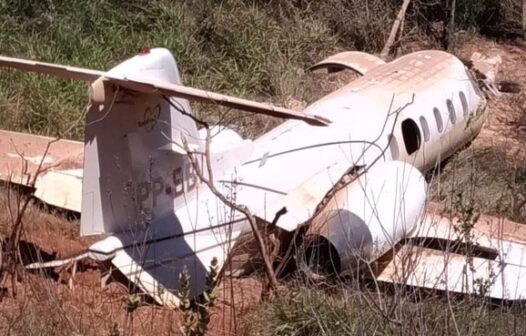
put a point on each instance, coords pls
(348, 173)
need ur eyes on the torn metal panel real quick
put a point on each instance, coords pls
(358, 61)
(61, 189)
(488, 231)
(439, 227)
(486, 65)
(21, 155)
(500, 276)
(446, 271)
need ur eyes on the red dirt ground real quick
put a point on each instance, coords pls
(44, 306)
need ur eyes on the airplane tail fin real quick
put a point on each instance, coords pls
(134, 165)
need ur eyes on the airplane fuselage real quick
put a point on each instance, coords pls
(419, 109)
(138, 186)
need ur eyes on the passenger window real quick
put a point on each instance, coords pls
(451, 111)
(438, 118)
(464, 102)
(393, 147)
(411, 135)
(425, 128)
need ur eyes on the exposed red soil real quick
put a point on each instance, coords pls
(47, 306)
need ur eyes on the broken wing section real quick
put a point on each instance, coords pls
(52, 166)
(490, 260)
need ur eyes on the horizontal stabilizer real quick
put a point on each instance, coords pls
(159, 88)
(180, 91)
(56, 70)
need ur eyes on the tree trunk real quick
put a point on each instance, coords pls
(451, 26)
(448, 40)
(394, 30)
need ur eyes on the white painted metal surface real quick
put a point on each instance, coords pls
(138, 184)
(354, 60)
(152, 85)
(23, 155)
(61, 189)
(499, 276)
(298, 162)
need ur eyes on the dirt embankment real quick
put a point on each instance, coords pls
(506, 125)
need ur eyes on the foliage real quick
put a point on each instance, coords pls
(490, 176)
(196, 317)
(256, 49)
(232, 46)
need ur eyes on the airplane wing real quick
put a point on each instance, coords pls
(50, 165)
(440, 256)
(153, 87)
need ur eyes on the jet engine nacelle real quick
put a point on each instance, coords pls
(365, 219)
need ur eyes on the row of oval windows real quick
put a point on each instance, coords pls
(411, 134)
(438, 116)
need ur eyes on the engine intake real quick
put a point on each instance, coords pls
(364, 220)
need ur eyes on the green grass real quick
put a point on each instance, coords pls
(488, 176)
(255, 49)
(233, 46)
(258, 49)
(312, 311)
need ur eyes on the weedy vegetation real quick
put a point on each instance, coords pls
(258, 49)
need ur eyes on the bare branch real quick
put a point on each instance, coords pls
(208, 181)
